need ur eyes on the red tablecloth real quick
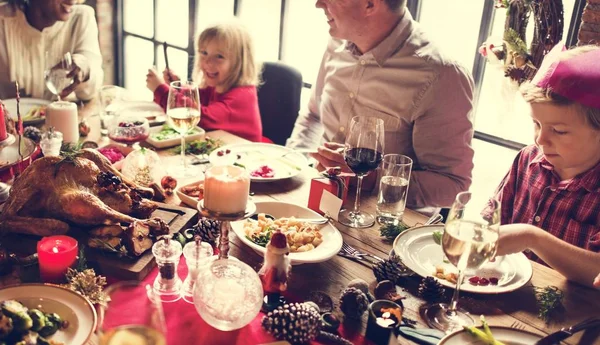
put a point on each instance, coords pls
(185, 326)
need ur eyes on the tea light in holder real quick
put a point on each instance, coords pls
(384, 317)
(226, 190)
(55, 255)
(167, 284)
(62, 116)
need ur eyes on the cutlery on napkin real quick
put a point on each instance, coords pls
(564, 333)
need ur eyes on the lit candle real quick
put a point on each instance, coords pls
(226, 189)
(55, 255)
(3, 134)
(63, 117)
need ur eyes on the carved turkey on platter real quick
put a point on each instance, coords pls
(85, 191)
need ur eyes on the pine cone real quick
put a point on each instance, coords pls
(514, 73)
(208, 229)
(391, 269)
(331, 338)
(294, 322)
(353, 303)
(431, 290)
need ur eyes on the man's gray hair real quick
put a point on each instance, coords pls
(396, 5)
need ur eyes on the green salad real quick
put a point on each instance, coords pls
(167, 133)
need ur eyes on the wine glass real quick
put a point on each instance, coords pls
(56, 71)
(183, 114)
(363, 153)
(133, 315)
(470, 239)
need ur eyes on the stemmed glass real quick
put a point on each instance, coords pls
(363, 153)
(133, 315)
(470, 239)
(183, 114)
(56, 71)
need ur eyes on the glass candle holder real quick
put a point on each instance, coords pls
(228, 294)
(384, 316)
(167, 284)
(196, 254)
(51, 143)
(55, 255)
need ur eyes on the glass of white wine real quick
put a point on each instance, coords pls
(183, 114)
(470, 239)
(133, 315)
(56, 71)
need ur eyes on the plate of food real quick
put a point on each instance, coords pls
(264, 162)
(309, 243)
(33, 110)
(506, 335)
(115, 154)
(150, 110)
(190, 194)
(57, 314)
(421, 252)
(165, 136)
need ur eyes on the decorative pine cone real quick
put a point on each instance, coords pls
(431, 290)
(353, 303)
(297, 323)
(208, 229)
(331, 338)
(514, 73)
(391, 269)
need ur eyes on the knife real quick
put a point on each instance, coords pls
(564, 333)
(166, 56)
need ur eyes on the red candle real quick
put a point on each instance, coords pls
(55, 255)
(3, 134)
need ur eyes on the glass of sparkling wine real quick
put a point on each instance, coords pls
(56, 72)
(393, 188)
(183, 114)
(470, 239)
(134, 315)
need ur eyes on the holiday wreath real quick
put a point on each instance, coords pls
(520, 62)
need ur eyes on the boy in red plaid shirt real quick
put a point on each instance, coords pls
(551, 196)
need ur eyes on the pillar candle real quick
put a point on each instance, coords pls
(55, 255)
(226, 189)
(62, 116)
(3, 134)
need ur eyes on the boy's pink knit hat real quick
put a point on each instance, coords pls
(576, 78)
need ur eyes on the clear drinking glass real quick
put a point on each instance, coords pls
(183, 114)
(393, 188)
(56, 71)
(133, 315)
(110, 97)
(363, 153)
(470, 239)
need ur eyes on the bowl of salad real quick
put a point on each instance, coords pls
(165, 136)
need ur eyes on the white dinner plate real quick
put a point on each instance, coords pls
(150, 110)
(198, 134)
(285, 162)
(508, 336)
(419, 252)
(24, 106)
(332, 239)
(69, 305)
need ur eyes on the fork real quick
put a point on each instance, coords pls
(199, 159)
(517, 325)
(349, 250)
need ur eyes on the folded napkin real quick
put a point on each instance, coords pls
(425, 336)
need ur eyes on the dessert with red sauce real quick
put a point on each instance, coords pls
(129, 130)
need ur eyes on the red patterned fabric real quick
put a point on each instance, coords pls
(533, 193)
(185, 326)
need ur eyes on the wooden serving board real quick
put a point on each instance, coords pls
(178, 218)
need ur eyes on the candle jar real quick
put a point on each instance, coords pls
(226, 190)
(51, 143)
(196, 254)
(384, 317)
(55, 255)
(167, 284)
(62, 115)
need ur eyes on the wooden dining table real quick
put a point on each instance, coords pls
(515, 309)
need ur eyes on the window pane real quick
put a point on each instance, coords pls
(133, 10)
(178, 61)
(304, 43)
(213, 11)
(262, 18)
(454, 25)
(139, 56)
(500, 110)
(172, 24)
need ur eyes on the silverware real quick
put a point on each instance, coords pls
(313, 220)
(435, 219)
(348, 249)
(564, 333)
(517, 325)
(199, 159)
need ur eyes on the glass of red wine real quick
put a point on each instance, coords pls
(363, 153)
